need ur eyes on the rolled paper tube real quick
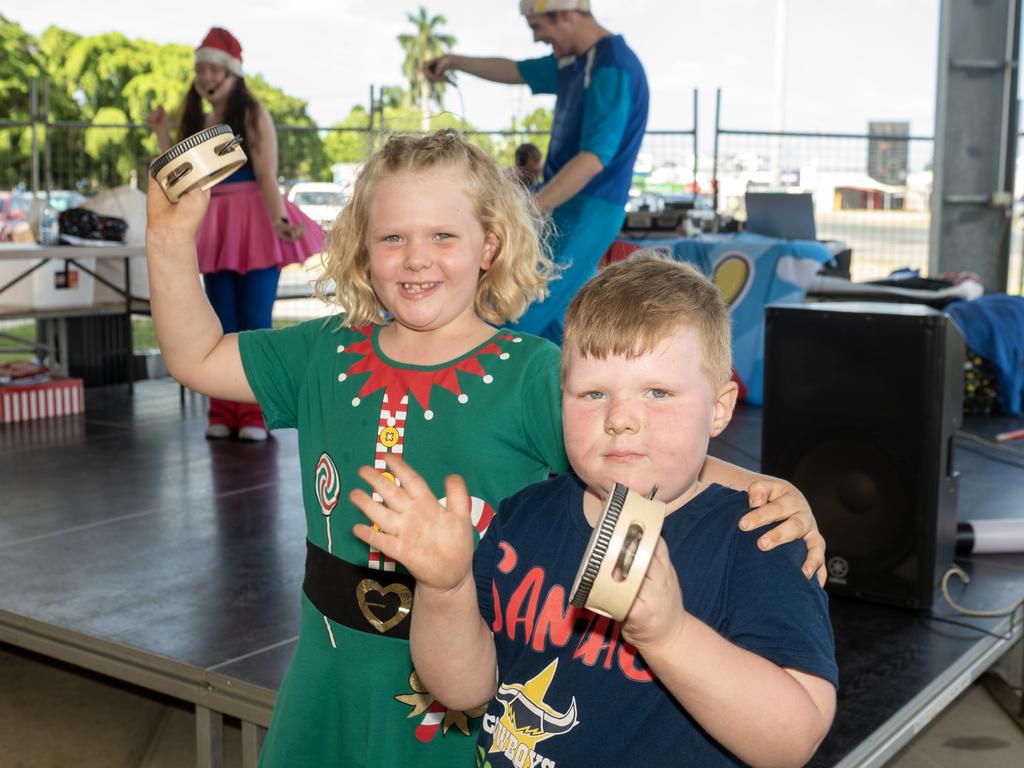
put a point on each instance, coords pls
(979, 537)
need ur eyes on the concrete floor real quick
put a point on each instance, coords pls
(56, 716)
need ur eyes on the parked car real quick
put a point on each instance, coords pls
(321, 201)
(14, 210)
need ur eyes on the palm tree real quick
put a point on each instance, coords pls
(425, 44)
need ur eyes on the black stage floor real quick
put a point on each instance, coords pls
(132, 546)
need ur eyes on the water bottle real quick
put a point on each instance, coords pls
(49, 226)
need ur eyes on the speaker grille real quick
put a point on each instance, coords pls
(857, 414)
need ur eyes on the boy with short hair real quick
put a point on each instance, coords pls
(726, 657)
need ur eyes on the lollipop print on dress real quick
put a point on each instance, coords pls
(328, 490)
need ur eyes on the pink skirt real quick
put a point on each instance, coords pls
(238, 236)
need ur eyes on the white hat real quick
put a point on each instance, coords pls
(527, 7)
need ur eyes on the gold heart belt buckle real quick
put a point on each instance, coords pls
(384, 607)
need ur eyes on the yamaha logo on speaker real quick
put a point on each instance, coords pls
(837, 567)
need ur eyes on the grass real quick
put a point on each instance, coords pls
(23, 332)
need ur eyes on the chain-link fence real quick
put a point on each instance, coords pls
(88, 157)
(885, 221)
(870, 190)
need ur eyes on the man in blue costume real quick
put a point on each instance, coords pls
(600, 117)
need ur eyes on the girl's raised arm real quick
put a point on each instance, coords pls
(195, 349)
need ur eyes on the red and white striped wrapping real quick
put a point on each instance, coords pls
(431, 721)
(41, 400)
(395, 420)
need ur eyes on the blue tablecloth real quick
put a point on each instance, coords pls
(752, 271)
(993, 326)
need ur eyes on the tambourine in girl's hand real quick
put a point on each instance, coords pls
(201, 160)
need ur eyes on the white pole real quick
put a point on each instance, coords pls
(781, 12)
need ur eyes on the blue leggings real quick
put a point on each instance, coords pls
(243, 302)
(585, 228)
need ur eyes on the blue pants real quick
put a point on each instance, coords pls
(243, 302)
(585, 227)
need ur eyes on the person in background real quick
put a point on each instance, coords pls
(250, 231)
(529, 167)
(599, 121)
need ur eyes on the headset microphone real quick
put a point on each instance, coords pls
(212, 90)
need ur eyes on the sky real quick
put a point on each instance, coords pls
(814, 65)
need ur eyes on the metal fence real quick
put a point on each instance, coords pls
(870, 191)
(885, 224)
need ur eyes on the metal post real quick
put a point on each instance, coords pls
(696, 124)
(33, 116)
(714, 159)
(380, 109)
(47, 156)
(209, 738)
(975, 136)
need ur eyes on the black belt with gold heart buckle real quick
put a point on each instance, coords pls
(367, 599)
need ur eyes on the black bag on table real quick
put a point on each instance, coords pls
(88, 225)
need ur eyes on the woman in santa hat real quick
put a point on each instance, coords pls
(250, 231)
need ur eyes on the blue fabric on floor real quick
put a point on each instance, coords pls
(993, 326)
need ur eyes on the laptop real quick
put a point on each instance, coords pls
(781, 214)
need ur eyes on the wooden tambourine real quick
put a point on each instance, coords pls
(201, 160)
(618, 553)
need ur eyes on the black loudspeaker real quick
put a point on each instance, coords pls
(861, 401)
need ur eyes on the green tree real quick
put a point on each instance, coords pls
(534, 128)
(300, 150)
(110, 79)
(349, 140)
(22, 62)
(426, 43)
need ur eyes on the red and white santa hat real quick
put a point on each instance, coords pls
(220, 47)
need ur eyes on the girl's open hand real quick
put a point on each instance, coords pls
(434, 542)
(775, 501)
(168, 222)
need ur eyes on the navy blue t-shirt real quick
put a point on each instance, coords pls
(571, 691)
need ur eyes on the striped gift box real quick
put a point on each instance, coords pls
(61, 397)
